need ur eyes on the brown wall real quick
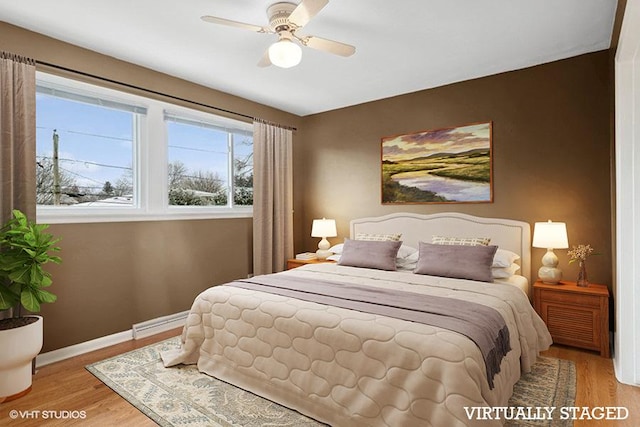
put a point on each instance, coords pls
(116, 274)
(551, 148)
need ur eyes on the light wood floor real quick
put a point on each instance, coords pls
(597, 386)
(68, 386)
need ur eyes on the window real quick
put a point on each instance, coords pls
(106, 155)
(84, 149)
(208, 165)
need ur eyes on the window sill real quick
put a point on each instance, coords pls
(55, 216)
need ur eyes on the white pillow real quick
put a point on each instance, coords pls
(407, 258)
(337, 249)
(504, 272)
(406, 251)
(504, 258)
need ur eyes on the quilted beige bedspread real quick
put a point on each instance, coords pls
(349, 368)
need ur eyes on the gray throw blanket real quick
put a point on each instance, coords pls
(482, 324)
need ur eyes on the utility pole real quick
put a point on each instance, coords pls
(56, 174)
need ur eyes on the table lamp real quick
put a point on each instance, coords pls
(550, 235)
(323, 228)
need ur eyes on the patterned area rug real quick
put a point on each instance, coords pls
(182, 396)
(550, 384)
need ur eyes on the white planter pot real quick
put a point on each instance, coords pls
(18, 347)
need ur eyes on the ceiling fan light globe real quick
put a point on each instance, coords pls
(285, 54)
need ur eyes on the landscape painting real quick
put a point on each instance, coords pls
(451, 165)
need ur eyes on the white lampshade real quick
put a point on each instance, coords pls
(285, 53)
(324, 228)
(550, 235)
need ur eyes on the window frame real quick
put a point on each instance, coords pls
(150, 160)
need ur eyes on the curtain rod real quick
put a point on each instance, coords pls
(177, 98)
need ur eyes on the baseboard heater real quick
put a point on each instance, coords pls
(160, 324)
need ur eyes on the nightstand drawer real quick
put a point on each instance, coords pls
(570, 298)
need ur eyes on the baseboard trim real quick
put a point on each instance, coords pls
(81, 348)
(139, 330)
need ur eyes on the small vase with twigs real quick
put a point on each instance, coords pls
(580, 254)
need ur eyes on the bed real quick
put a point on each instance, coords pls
(344, 365)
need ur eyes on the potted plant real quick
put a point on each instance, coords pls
(25, 248)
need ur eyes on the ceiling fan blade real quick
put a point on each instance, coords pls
(264, 61)
(306, 10)
(230, 23)
(330, 46)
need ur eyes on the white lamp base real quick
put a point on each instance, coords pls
(323, 249)
(323, 254)
(549, 273)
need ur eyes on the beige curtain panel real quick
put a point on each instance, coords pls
(17, 135)
(272, 198)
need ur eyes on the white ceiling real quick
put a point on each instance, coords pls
(402, 46)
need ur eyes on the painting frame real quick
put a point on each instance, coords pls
(443, 165)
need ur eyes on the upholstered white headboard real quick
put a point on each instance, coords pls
(505, 233)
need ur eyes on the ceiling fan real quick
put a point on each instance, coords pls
(285, 19)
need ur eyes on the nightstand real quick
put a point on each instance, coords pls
(294, 263)
(576, 316)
